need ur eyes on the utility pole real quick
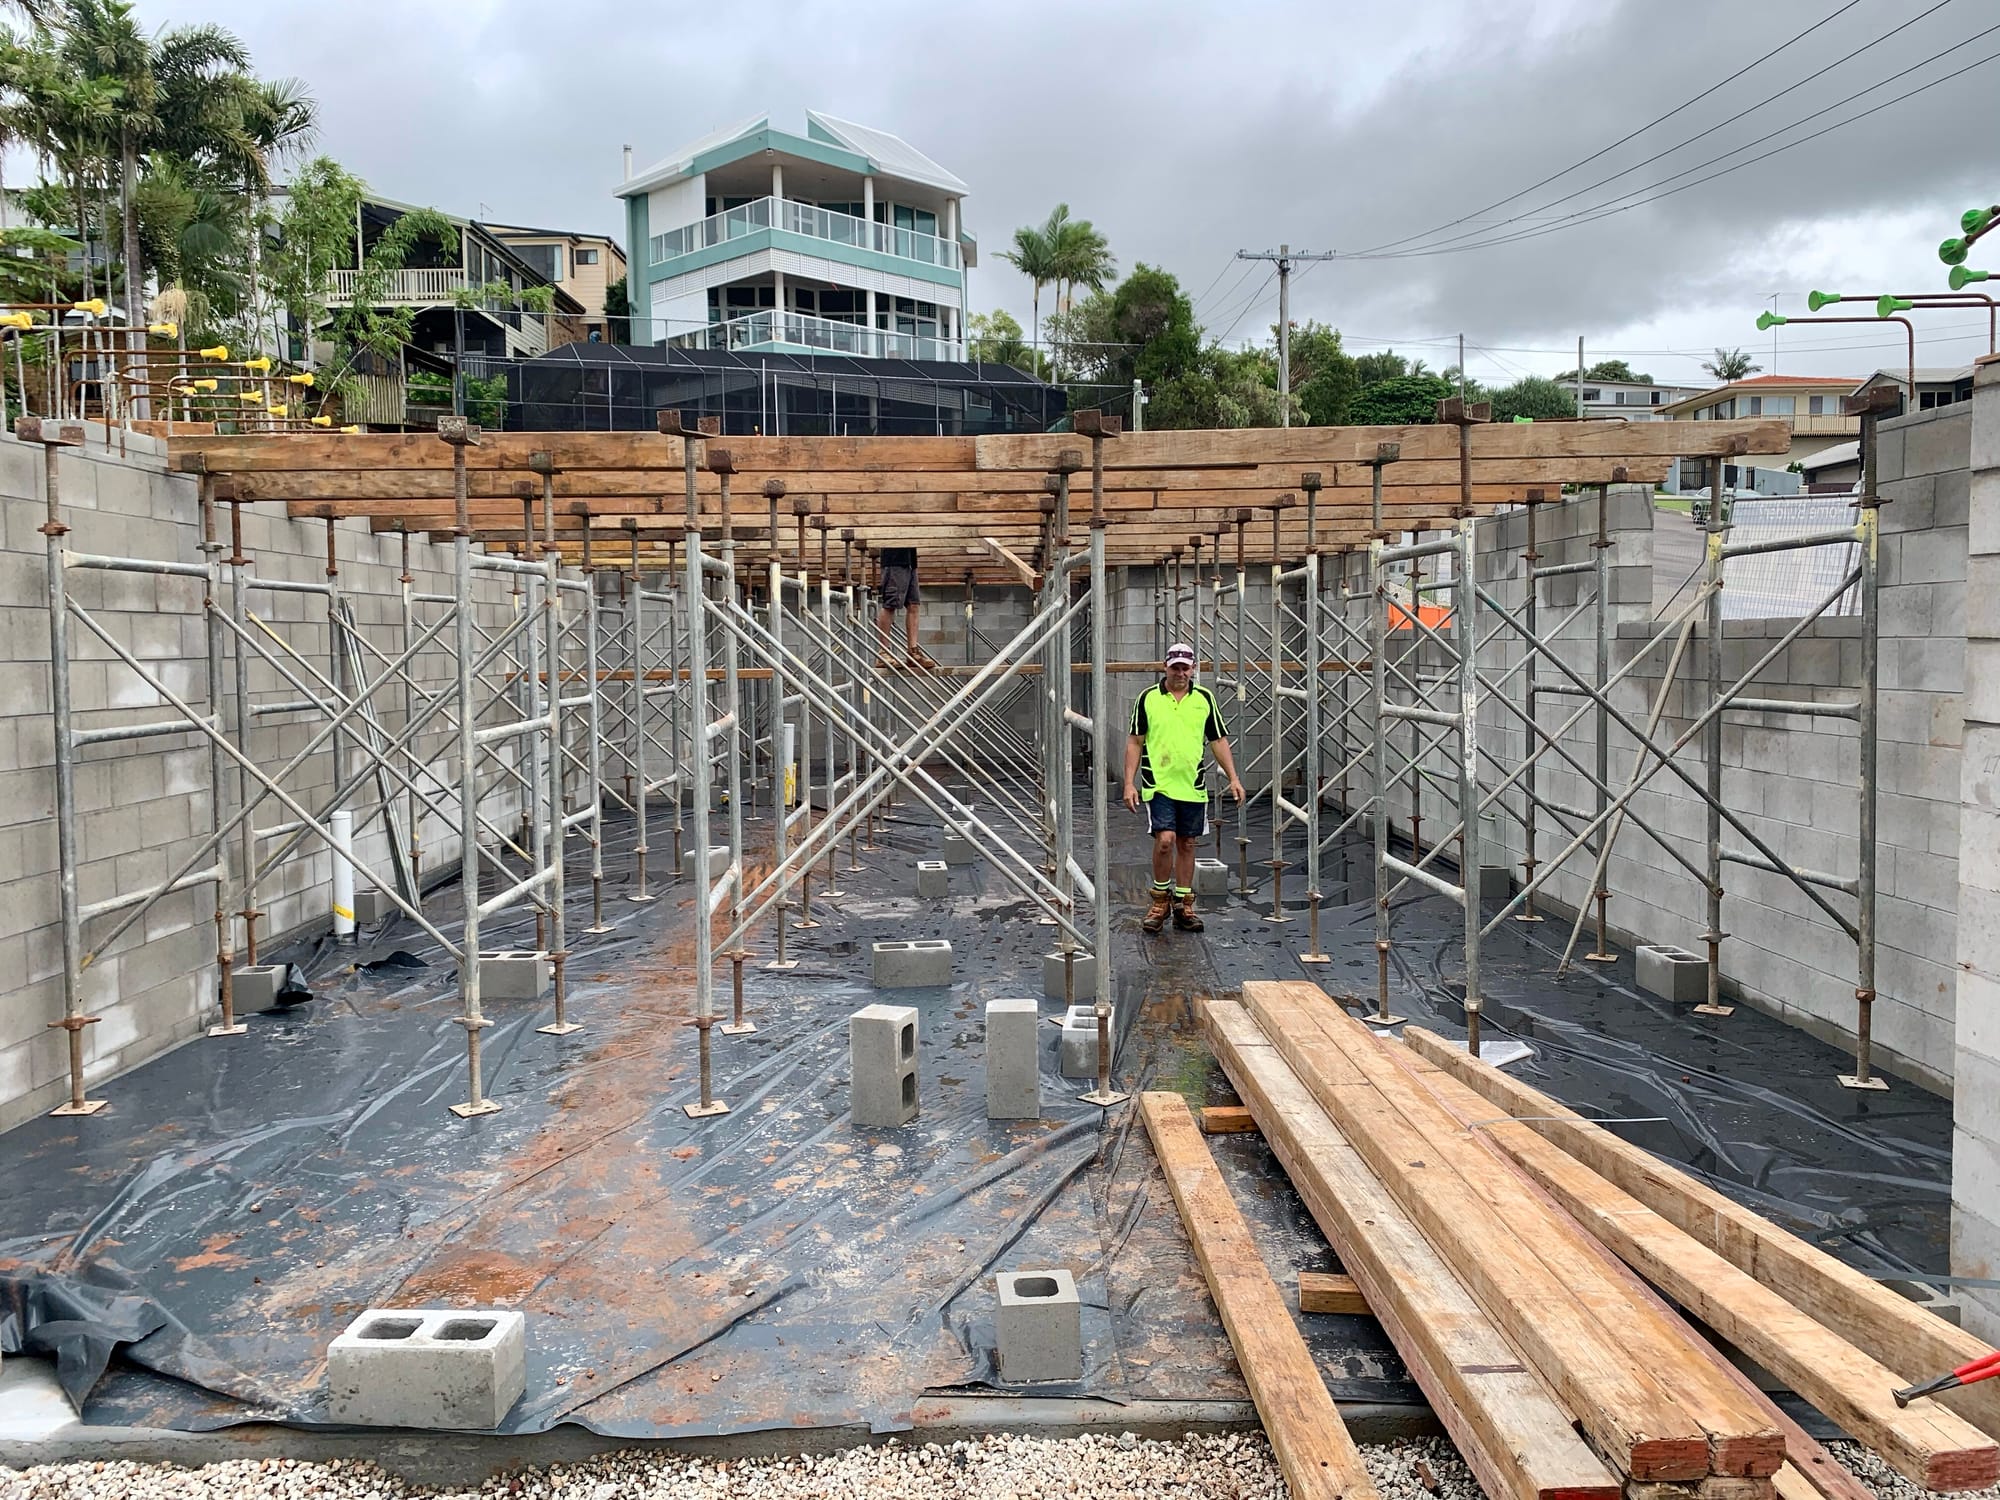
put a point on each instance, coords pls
(1139, 400)
(1579, 377)
(1284, 257)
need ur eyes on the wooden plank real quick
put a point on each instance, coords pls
(1525, 1267)
(1308, 1438)
(1226, 1119)
(1924, 1442)
(1889, 1328)
(1806, 1458)
(1518, 1441)
(1324, 1292)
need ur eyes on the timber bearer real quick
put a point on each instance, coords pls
(1173, 724)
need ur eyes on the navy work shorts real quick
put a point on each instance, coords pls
(899, 588)
(1189, 820)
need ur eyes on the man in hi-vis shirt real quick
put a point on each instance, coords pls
(1174, 724)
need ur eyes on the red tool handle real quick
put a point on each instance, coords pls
(1983, 1368)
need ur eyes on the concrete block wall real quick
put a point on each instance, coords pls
(1975, 1147)
(144, 805)
(1792, 780)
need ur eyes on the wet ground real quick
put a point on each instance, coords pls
(241, 1201)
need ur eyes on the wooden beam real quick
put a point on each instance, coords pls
(1308, 1438)
(1527, 1267)
(1029, 577)
(1924, 1442)
(1883, 1325)
(1323, 1292)
(1516, 1438)
(1226, 1119)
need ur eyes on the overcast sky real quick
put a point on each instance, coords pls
(1187, 131)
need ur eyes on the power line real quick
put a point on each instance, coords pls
(1256, 292)
(1607, 210)
(1760, 104)
(1454, 223)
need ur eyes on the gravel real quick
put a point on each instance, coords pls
(1867, 1466)
(1228, 1467)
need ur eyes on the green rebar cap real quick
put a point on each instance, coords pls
(1975, 219)
(1769, 320)
(1952, 252)
(1964, 276)
(1816, 300)
(1884, 306)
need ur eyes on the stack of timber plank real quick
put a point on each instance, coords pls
(1520, 1259)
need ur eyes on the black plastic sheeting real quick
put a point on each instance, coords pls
(188, 1254)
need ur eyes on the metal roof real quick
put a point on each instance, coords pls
(893, 155)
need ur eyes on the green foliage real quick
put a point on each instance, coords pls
(1399, 401)
(1325, 379)
(1388, 365)
(618, 312)
(485, 399)
(996, 338)
(1534, 396)
(1068, 252)
(1609, 369)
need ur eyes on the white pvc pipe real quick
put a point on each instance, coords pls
(342, 824)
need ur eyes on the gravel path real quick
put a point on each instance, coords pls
(1231, 1467)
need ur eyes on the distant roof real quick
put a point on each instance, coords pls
(1828, 458)
(1846, 380)
(567, 234)
(870, 149)
(1926, 375)
(894, 155)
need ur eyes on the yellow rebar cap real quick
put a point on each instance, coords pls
(250, 398)
(95, 307)
(17, 320)
(304, 377)
(164, 330)
(214, 351)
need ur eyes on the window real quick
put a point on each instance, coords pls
(586, 257)
(1780, 406)
(1658, 397)
(1816, 406)
(1591, 393)
(546, 259)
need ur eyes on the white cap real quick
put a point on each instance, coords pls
(1180, 651)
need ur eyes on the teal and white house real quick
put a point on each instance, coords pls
(844, 240)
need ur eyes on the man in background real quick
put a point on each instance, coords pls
(1174, 724)
(900, 592)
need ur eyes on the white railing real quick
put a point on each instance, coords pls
(805, 219)
(422, 288)
(802, 330)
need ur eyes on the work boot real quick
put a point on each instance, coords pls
(1156, 914)
(1186, 918)
(921, 659)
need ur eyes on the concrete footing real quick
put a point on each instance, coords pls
(922, 963)
(1496, 883)
(513, 976)
(427, 1367)
(1013, 1059)
(1052, 976)
(882, 1055)
(256, 986)
(1211, 877)
(1079, 1040)
(370, 907)
(955, 850)
(933, 879)
(1040, 1326)
(1672, 973)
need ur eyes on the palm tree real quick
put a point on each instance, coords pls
(1034, 256)
(275, 121)
(1731, 364)
(170, 87)
(1082, 255)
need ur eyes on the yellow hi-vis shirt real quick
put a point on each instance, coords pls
(1175, 736)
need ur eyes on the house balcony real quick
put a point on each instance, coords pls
(423, 288)
(783, 215)
(794, 332)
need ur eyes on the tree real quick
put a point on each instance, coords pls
(1731, 364)
(1610, 370)
(1533, 396)
(168, 91)
(1388, 365)
(1082, 255)
(1035, 256)
(617, 312)
(996, 339)
(1324, 377)
(1400, 401)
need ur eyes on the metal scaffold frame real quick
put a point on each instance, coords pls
(700, 652)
